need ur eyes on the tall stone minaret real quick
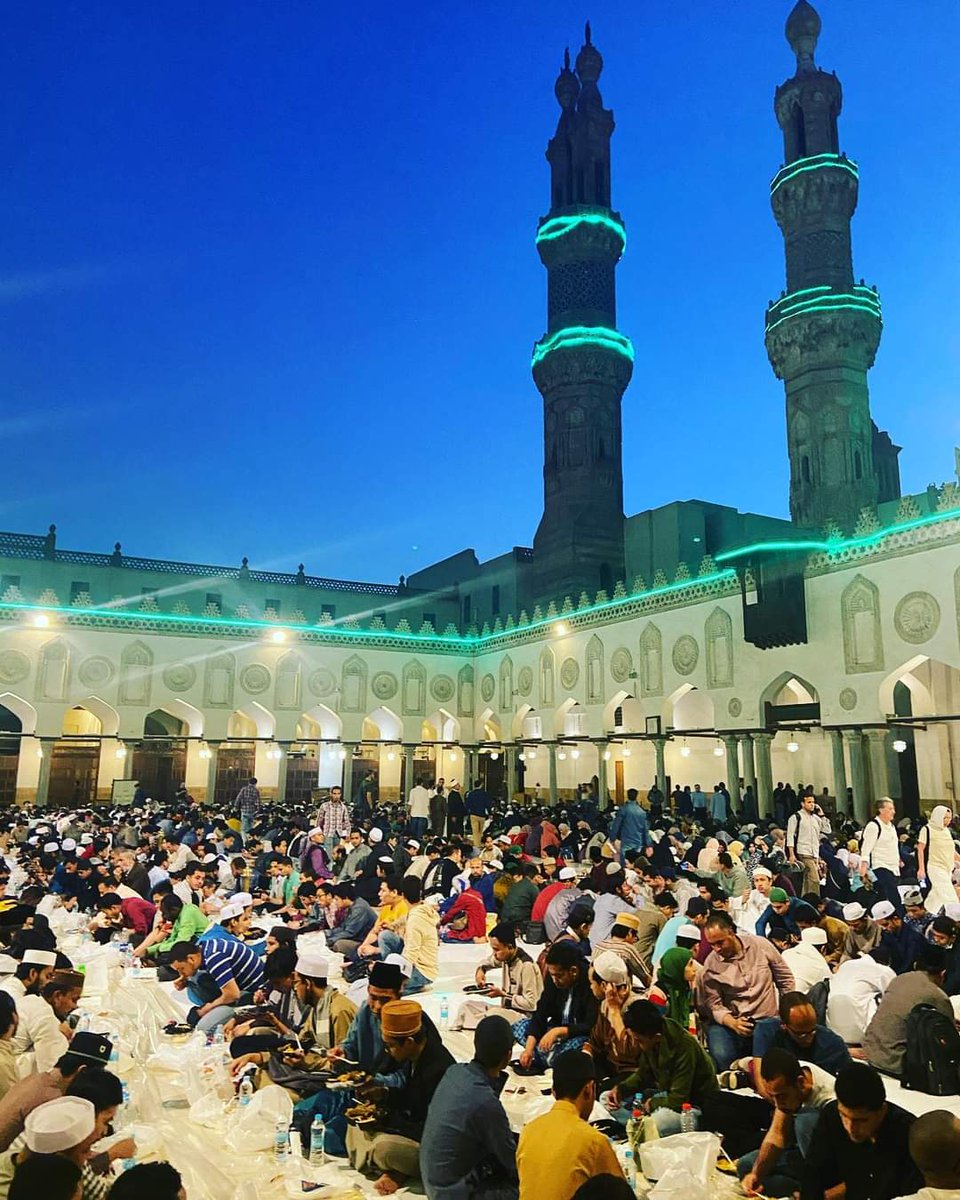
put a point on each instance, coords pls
(582, 365)
(822, 334)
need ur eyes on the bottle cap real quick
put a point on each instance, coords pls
(686, 1107)
(637, 1112)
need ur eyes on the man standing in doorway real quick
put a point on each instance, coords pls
(804, 830)
(248, 803)
(333, 820)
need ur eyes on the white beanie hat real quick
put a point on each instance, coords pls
(314, 965)
(814, 935)
(59, 1125)
(610, 968)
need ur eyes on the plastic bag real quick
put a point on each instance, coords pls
(693, 1153)
(679, 1184)
(254, 1127)
(207, 1110)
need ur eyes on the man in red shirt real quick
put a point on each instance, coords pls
(131, 913)
(466, 919)
(566, 879)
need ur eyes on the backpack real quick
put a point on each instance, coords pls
(931, 1061)
(818, 996)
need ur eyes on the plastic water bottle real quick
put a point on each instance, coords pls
(281, 1142)
(635, 1129)
(124, 1104)
(136, 966)
(688, 1119)
(219, 1037)
(245, 1091)
(630, 1170)
(444, 1013)
(318, 1132)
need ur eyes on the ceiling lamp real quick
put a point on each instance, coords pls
(522, 757)
(627, 752)
(793, 747)
(562, 756)
(574, 753)
(718, 752)
(494, 755)
(606, 756)
(899, 745)
(684, 751)
(41, 620)
(531, 754)
(278, 636)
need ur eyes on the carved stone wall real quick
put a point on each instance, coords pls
(718, 638)
(862, 631)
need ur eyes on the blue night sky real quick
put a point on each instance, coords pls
(268, 283)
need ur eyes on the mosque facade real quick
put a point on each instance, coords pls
(686, 644)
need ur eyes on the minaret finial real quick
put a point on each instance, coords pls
(566, 59)
(586, 34)
(803, 30)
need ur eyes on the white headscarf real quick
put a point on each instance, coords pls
(939, 815)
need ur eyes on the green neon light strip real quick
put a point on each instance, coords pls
(583, 335)
(817, 162)
(856, 306)
(558, 227)
(869, 539)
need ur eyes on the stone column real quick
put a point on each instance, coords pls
(733, 767)
(43, 776)
(877, 750)
(858, 774)
(552, 782)
(761, 743)
(214, 748)
(471, 768)
(659, 744)
(408, 780)
(749, 771)
(282, 764)
(127, 771)
(839, 770)
(510, 770)
(604, 798)
(348, 772)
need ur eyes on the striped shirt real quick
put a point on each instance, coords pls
(227, 959)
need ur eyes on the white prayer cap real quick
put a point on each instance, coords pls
(230, 912)
(59, 1125)
(504, 840)
(385, 858)
(881, 910)
(762, 871)
(50, 847)
(610, 968)
(814, 935)
(567, 873)
(313, 832)
(244, 899)
(434, 899)
(86, 839)
(413, 844)
(853, 911)
(313, 964)
(39, 958)
(614, 868)
(8, 965)
(376, 835)
(689, 933)
(496, 865)
(69, 844)
(405, 965)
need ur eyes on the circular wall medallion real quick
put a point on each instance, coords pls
(14, 666)
(734, 706)
(442, 688)
(488, 685)
(525, 681)
(180, 677)
(621, 664)
(848, 699)
(686, 652)
(569, 673)
(917, 617)
(321, 682)
(255, 678)
(384, 685)
(96, 671)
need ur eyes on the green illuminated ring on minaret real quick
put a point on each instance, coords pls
(583, 335)
(818, 162)
(823, 299)
(558, 227)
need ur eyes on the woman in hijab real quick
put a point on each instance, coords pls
(707, 859)
(936, 855)
(676, 976)
(837, 884)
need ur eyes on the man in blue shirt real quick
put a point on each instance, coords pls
(358, 919)
(780, 911)
(477, 804)
(218, 976)
(629, 826)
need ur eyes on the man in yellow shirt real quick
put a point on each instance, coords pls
(559, 1151)
(391, 916)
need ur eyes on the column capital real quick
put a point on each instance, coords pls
(745, 737)
(728, 739)
(851, 735)
(876, 735)
(763, 736)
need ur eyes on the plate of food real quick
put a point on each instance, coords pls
(177, 1029)
(362, 1114)
(478, 988)
(349, 1079)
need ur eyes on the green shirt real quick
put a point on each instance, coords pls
(188, 924)
(677, 1065)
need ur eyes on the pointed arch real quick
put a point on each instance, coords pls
(289, 684)
(862, 630)
(526, 723)
(651, 661)
(263, 719)
(353, 685)
(465, 691)
(105, 713)
(190, 716)
(487, 726)
(570, 719)
(688, 707)
(593, 670)
(718, 639)
(446, 725)
(326, 720)
(506, 683)
(53, 674)
(387, 723)
(136, 662)
(798, 691)
(21, 709)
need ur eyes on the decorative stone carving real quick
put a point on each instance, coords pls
(384, 685)
(569, 673)
(94, 671)
(862, 632)
(488, 685)
(353, 685)
(255, 679)
(136, 662)
(686, 654)
(54, 672)
(322, 682)
(218, 680)
(651, 661)
(414, 687)
(848, 699)
(594, 667)
(14, 666)
(734, 706)
(506, 684)
(917, 617)
(288, 692)
(180, 677)
(718, 639)
(548, 670)
(465, 686)
(442, 688)
(621, 664)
